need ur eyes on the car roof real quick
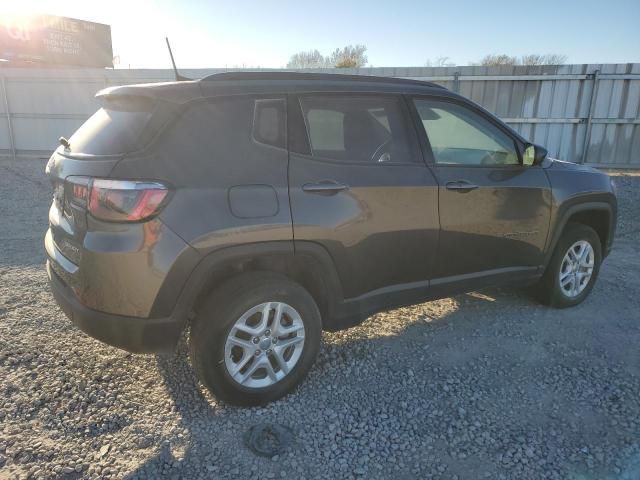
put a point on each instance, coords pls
(292, 77)
(297, 82)
(271, 82)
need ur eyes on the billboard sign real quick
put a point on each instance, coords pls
(48, 39)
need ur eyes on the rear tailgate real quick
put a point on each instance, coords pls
(85, 250)
(116, 129)
(68, 222)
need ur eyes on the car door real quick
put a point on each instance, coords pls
(494, 212)
(360, 188)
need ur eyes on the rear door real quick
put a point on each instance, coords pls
(494, 212)
(360, 188)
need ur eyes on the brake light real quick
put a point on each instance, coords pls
(76, 192)
(125, 200)
(79, 193)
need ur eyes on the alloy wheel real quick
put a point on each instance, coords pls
(576, 268)
(264, 345)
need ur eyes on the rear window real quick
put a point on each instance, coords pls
(114, 129)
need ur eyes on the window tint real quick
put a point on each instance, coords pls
(114, 129)
(218, 135)
(269, 122)
(369, 129)
(326, 130)
(460, 136)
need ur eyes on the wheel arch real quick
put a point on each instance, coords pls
(309, 265)
(599, 215)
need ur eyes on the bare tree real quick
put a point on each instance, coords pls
(310, 59)
(546, 59)
(439, 62)
(351, 56)
(532, 59)
(501, 59)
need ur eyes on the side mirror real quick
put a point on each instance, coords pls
(533, 155)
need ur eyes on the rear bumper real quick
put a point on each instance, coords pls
(134, 334)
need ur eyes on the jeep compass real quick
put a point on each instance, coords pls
(261, 208)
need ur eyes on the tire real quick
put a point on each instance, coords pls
(550, 290)
(222, 321)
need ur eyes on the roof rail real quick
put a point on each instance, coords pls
(275, 75)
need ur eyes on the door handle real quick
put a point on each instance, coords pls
(327, 187)
(461, 186)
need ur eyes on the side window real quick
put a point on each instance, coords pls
(326, 130)
(233, 134)
(460, 136)
(269, 122)
(369, 129)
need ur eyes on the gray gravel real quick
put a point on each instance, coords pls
(484, 385)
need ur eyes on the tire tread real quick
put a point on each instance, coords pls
(216, 316)
(548, 288)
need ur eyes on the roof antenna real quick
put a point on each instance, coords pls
(179, 78)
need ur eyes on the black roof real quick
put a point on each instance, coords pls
(232, 82)
(327, 77)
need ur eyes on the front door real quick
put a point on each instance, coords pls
(494, 212)
(360, 188)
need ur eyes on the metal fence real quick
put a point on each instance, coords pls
(581, 113)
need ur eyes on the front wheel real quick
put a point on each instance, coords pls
(255, 339)
(573, 268)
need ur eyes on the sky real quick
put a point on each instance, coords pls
(221, 33)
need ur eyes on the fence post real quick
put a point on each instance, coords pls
(456, 82)
(587, 135)
(9, 126)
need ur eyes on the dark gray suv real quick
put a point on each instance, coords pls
(262, 208)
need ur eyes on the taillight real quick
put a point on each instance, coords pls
(76, 192)
(124, 200)
(115, 200)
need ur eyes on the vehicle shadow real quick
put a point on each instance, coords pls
(211, 432)
(469, 353)
(195, 442)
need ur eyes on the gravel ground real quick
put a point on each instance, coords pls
(483, 385)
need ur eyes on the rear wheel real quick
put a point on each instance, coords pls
(255, 339)
(573, 268)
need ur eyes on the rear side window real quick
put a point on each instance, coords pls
(269, 122)
(114, 129)
(368, 129)
(224, 141)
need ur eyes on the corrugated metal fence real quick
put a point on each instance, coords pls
(581, 113)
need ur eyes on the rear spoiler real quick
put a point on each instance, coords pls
(172, 92)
